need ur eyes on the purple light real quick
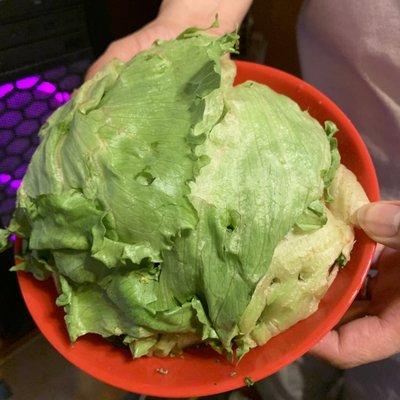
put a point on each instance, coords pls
(13, 237)
(70, 82)
(5, 137)
(26, 128)
(15, 184)
(66, 96)
(28, 82)
(28, 154)
(7, 206)
(19, 100)
(43, 118)
(10, 119)
(54, 103)
(35, 141)
(20, 171)
(25, 104)
(6, 88)
(59, 97)
(36, 109)
(10, 163)
(18, 146)
(4, 178)
(46, 87)
(62, 97)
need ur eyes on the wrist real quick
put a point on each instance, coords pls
(182, 14)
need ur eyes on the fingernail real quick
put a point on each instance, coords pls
(380, 219)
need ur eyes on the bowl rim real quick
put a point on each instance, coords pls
(329, 322)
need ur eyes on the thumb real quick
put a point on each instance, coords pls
(381, 222)
(356, 343)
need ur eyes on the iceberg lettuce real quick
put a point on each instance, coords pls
(173, 207)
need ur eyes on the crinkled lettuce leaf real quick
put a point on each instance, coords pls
(88, 310)
(174, 208)
(328, 174)
(36, 265)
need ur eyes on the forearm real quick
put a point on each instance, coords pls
(202, 13)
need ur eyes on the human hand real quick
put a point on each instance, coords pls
(173, 18)
(376, 335)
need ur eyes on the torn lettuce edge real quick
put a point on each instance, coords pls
(328, 175)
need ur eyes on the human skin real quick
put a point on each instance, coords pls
(376, 334)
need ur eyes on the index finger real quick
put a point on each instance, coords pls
(361, 341)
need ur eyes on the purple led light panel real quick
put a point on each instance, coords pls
(4, 178)
(6, 88)
(27, 83)
(25, 104)
(46, 87)
(15, 184)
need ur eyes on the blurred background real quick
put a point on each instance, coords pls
(45, 48)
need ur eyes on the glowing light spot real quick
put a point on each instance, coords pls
(15, 184)
(4, 178)
(28, 82)
(59, 97)
(6, 88)
(46, 87)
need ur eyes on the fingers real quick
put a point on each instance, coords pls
(385, 289)
(96, 66)
(357, 310)
(359, 342)
(124, 49)
(381, 221)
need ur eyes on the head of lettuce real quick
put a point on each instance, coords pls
(172, 207)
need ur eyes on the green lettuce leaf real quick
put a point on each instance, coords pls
(88, 310)
(314, 217)
(4, 234)
(328, 174)
(35, 265)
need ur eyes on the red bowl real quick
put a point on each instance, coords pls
(201, 371)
